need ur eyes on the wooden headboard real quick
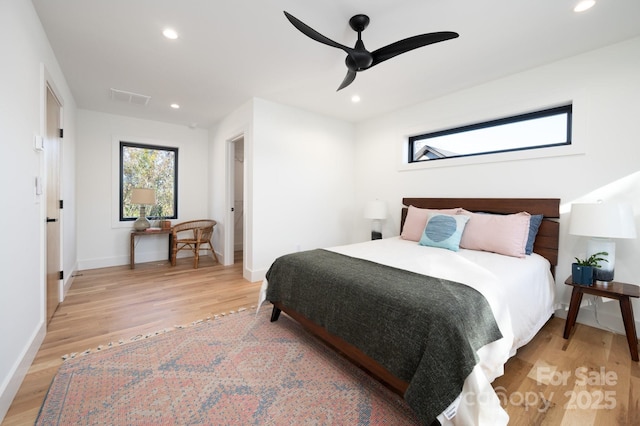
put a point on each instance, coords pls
(546, 244)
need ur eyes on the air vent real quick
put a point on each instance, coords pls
(130, 97)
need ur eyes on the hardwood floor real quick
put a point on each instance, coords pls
(110, 304)
(588, 379)
(541, 385)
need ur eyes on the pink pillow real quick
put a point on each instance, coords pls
(416, 221)
(497, 233)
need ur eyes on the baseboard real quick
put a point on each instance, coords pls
(107, 262)
(159, 256)
(13, 381)
(68, 282)
(102, 262)
(254, 275)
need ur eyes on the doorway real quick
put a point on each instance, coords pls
(52, 146)
(238, 201)
(234, 249)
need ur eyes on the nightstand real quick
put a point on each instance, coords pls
(612, 290)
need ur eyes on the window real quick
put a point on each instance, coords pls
(535, 130)
(149, 166)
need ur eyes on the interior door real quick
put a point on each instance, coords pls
(52, 161)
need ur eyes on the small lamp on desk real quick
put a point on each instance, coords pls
(143, 197)
(602, 222)
(376, 210)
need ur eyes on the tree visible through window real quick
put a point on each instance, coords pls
(149, 166)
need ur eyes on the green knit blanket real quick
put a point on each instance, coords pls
(424, 330)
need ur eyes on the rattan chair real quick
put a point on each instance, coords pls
(194, 235)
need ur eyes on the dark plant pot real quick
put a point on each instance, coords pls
(603, 274)
(582, 275)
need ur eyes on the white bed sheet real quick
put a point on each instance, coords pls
(516, 281)
(519, 291)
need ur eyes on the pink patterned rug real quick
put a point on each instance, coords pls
(239, 369)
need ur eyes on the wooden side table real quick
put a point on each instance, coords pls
(612, 290)
(132, 245)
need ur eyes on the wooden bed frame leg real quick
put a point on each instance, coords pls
(275, 314)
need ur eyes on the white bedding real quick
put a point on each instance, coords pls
(519, 291)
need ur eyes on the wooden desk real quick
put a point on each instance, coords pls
(613, 290)
(134, 234)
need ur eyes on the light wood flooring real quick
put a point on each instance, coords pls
(588, 379)
(109, 304)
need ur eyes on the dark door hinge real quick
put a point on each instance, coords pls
(61, 204)
(61, 275)
(61, 133)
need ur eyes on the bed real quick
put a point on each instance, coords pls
(435, 325)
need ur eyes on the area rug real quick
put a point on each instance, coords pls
(239, 369)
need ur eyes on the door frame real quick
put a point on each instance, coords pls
(229, 234)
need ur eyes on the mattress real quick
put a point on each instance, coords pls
(514, 282)
(509, 284)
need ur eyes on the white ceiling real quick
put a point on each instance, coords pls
(231, 51)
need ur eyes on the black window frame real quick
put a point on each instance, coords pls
(175, 151)
(564, 109)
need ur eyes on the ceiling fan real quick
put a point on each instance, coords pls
(358, 57)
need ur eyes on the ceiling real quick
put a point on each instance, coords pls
(231, 51)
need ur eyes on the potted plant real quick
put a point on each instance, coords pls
(582, 270)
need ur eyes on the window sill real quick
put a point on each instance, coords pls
(529, 154)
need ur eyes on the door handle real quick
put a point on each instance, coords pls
(51, 219)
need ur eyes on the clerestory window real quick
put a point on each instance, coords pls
(536, 130)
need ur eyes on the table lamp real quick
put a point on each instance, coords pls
(376, 210)
(143, 197)
(603, 222)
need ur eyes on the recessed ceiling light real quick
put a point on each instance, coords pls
(175, 106)
(584, 5)
(355, 99)
(170, 33)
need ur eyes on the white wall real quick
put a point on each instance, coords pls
(303, 182)
(27, 59)
(604, 88)
(237, 124)
(299, 183)
(103, 240)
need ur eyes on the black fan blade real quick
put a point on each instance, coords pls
(311, 33)
(402, 46)
(348, 79)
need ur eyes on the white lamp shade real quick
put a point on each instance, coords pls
(603, 220)
(375, 210)
(143, 196)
